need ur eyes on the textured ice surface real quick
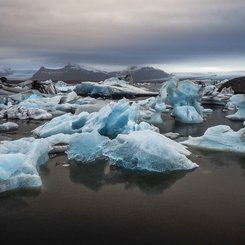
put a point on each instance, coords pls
(110, 120)
(184, 97)
(19, 163)
(147, 150)
(220, 138)
(238, 100)
(87, 147)
(110, 87)
(67, 124)
(8, 126)
(20, 112)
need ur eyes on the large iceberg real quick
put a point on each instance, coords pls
(219, 138)
(185, 97)
(112, 87)
(20, 160)
(148, 150)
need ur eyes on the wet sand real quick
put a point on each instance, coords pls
(91, 204)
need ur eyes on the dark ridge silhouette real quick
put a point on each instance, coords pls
(77, 73)
(237, 85)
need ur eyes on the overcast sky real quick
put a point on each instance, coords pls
(172, 34)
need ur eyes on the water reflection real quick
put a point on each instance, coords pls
(98, 174)
(14, 201)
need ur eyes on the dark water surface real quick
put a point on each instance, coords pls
(95, 204)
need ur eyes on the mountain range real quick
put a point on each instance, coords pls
(77, 73)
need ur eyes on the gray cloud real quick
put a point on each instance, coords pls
(120, 32)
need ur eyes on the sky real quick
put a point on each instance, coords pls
(174, 35)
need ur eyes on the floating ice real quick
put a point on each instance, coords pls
(219, 138)
(184, 96)
(67, 124)
(147, 150)
(64, 87)
(19, 112)
(110, 87)
(110, 120)
(20, 160)
(8, 126)
(238, 100)
(87, 147)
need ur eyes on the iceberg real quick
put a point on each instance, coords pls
(20, 161)
(86, 147)
(112, 87)
(147, 150)
(19, 112)
(238, 100)
(8, 126)
(184, 97)
(110, 120)
(66, 124)
(219, 138)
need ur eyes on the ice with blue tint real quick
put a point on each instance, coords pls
(219, 138)
(67, 124)
(8, 126)
(185, 98)
(238, 100)
(110, 87)
(86, 147)
(20, 161)
(152, 108)
(147, 150)
(117, 121)
(110, 120)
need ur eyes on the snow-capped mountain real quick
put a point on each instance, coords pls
(78, 73)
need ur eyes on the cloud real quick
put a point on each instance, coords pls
(120, 32)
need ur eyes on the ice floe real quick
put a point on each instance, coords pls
(219, 138)
(20, 161)
(147, 150)
(110, 120)
(87, 147)
(185, 98)
(112, 87)
(238, 101)
(8, 126)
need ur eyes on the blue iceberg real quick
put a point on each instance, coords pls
(185, 98)
(20, 161)
(148, 150)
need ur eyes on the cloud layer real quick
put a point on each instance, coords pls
(120, 32)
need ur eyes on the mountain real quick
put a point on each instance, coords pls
(78, 73)
(237, 85)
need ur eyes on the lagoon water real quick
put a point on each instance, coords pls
(93, 204)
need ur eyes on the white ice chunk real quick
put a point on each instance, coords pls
(147, 150)
(239, 101)
(219, 138)
(8, 126)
